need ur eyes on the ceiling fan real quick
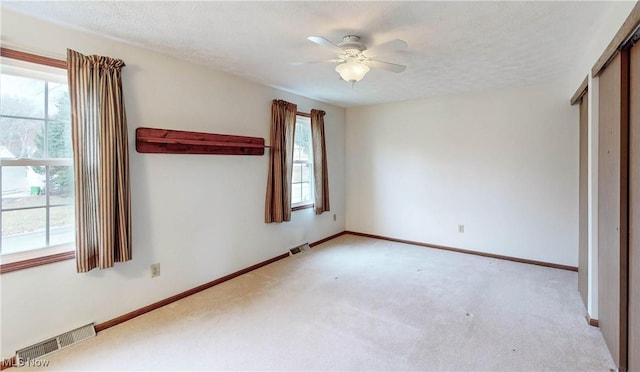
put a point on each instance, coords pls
(354, 59)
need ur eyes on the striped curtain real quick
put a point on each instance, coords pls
(100, 160)
(320, 170)
(283, 121)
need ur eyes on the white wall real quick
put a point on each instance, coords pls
(199, 216)
(594, 47)
(504, 163)
(595, 44)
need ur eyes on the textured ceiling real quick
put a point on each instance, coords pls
(454, 47)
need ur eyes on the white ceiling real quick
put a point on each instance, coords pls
(454, 47)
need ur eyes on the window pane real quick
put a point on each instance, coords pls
(32, 97)
(302, 140)
(22, 187)
(61, 181)
(59, 139)
(57, 200)
(302, 180)
(296, 193)
(297, 173)
(306, 191)
(22, 96)
(23, 230)
(61, 225)
(59, 106)
(306, 172)
(59, 129)
(21, 138)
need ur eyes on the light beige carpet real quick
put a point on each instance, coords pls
(362, 304)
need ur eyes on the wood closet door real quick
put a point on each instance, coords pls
(612, 206)
(583, 249)
(634, 209)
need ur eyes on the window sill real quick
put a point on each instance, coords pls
(303, 206)
(38, 257)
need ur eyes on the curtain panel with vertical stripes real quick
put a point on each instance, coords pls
(320, 170)
(278, 200)
(101, 161)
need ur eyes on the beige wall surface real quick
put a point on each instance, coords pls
(200, 216)
(502, 163)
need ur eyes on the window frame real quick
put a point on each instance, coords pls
(307, 204)
(46, 255)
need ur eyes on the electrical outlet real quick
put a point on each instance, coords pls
(460, 228)
(334, 216)
(155, 270)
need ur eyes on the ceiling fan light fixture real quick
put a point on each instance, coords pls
(352, 71)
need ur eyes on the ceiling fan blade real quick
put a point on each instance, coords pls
(386, 66)
(315, 62)
(326, 43)
(385, 48)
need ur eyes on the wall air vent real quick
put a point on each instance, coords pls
(301, 248)
(56, 343)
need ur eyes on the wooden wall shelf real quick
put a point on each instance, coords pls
(167, 141)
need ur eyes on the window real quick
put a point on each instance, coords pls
(36, 166)
(302, 179)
